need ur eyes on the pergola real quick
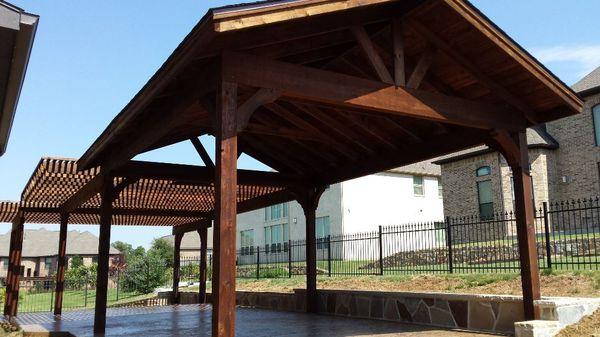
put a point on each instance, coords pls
(325, 91)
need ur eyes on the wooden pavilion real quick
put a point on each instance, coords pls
(324, 91)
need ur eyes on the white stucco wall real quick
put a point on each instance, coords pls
(388, 199)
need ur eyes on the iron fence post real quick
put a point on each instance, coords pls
(86, 293)
(547, 235)
(449, 244)
(258, 262)
(290, 258)
(329, 255)
(380, 250)
(51, 296)
(118, 282)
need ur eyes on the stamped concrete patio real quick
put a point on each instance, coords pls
(195, 320)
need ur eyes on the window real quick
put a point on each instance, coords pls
(483, 171)
(440, 188)
(247, 242)
(596, 118)
(322, 231)
(4, 263)
(418, 185)
(276, 212)
(486, 203)
(48, 264)
(276, 238)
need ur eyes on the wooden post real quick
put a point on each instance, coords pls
(223, 315)
(11, 301)
(62, 261)
(514, 149)
(203, 250)
(176, 267)
(103, 255)
(309, 200)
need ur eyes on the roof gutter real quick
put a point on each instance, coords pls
(20, 59)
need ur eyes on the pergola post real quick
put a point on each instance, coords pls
(103, 255)
(11, 301)
(176, 266)
(223, 314)
(203, 232)
(309, 200)
(62, 261)
(514, 148)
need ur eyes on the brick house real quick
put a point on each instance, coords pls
(40, 251)
(564, 158)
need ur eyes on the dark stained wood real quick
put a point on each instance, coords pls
(202, 152)
(11, 300)
(514, 148)
(398, 45)
(203, 232)
(224, 298)
(62, 263)
(103, 255)
(88, 190)
(309, 200)
(176, 267)
(371, 53)
(245, 111)
(417, 76)
(345, 91)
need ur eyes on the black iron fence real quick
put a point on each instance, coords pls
(567, 238)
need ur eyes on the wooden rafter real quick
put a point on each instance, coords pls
(372, 55)
(418, 74)
(245, 111)
(202, 153)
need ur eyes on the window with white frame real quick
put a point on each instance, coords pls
(418, 186)
(4, 263)
(440, 188)
(486, 199)
(596, 118)
(247, 242)
(483, 171)
(276, 238)
(322, 228)
(48, 264)
(276, 212)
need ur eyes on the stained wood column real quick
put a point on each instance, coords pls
(203, 232)
(223, 315)
(514, 148)
(103, 256)
(11, 301)
(176, 266)
(309, 200)
(62, 262)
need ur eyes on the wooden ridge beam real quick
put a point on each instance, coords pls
(399, 54)
(344, 91)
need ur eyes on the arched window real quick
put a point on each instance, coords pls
(483, 171)
(596, 118)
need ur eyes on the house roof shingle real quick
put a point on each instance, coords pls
(589, 83)
(42, 242)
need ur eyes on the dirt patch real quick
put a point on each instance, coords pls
(589, 326)
(574, 285)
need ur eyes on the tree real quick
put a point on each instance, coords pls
(144, 274)
(76, 261)
(163, 249)
(79, 275)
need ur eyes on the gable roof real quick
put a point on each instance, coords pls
(537, 137)
(589, 84)
(191, 240)
(42, 242)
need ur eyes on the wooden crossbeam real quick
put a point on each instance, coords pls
(192, 226)
(121, 211)
(372, 55)
(201, 175)
(340, 90)
(202, 152)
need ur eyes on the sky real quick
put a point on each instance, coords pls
(91, 57)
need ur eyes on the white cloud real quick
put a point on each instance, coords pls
(583, 58)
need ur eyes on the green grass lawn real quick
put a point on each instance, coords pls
(74, 299)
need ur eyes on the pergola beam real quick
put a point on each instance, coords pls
(122, 211)
(85, 193)
(350, 92)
